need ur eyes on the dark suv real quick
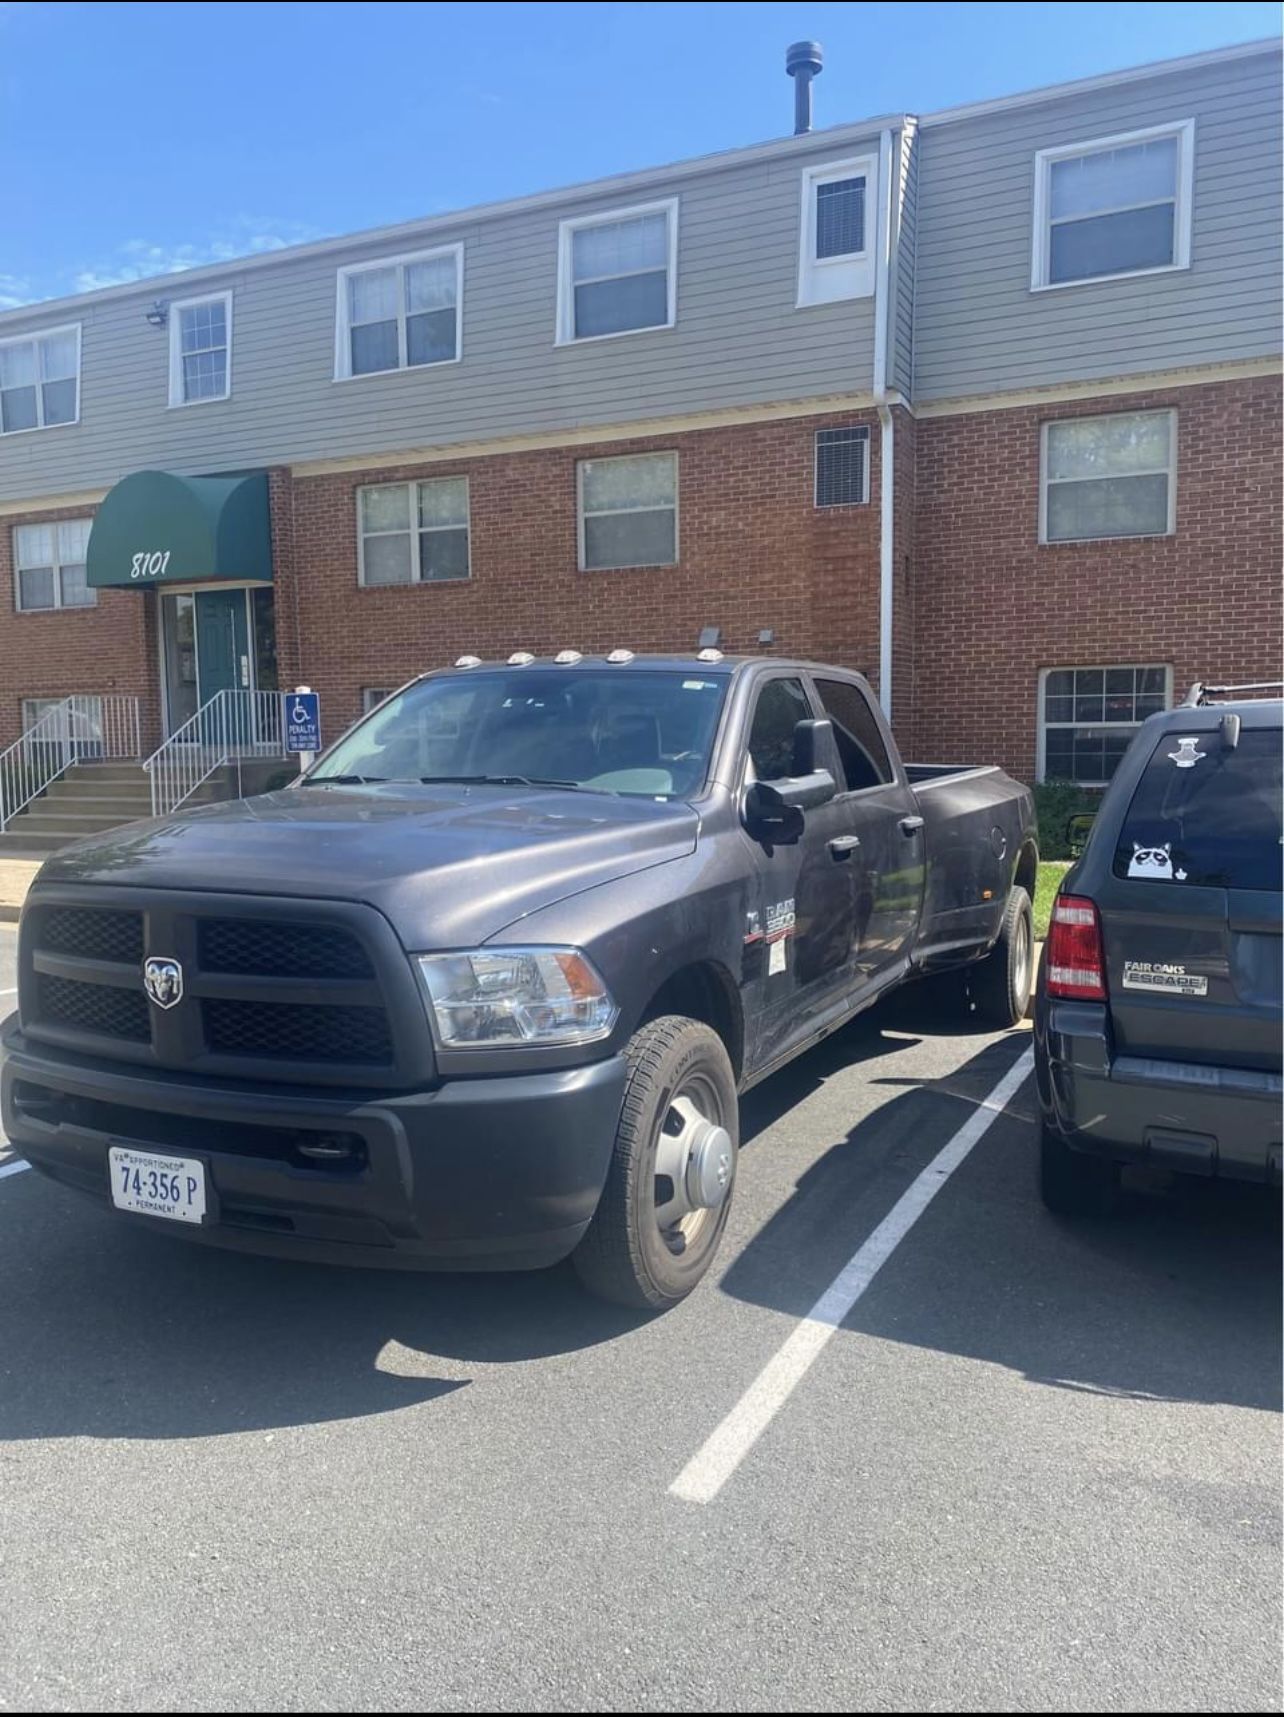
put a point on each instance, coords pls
(1158, 1012)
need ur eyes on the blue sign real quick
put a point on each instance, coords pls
(302, 721)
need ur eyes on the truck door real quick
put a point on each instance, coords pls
(797, 957)
(879, 810)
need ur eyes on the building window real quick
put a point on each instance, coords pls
(842, 467)
(1088, 716)
(1118, 206)
(402, 313)
(373, 696)
(1109, 477)
(40, 380)
(628, 511)
(200, 349)
(617, 272)
(49, 566)
(413, 533)
(835, 258)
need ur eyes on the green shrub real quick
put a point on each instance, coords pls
(1055, 802)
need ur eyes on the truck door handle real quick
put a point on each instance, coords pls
(843, 846)
(911, 825)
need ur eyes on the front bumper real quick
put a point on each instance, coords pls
(486, 1173)
(1137, 1109)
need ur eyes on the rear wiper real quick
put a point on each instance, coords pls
(502, 781)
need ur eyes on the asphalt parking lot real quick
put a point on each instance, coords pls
(1036, 1467)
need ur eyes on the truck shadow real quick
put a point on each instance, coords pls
(1176, 1299)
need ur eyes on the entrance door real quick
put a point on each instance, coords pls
(222, 643)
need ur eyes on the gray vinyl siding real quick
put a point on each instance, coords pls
(903, 258)
(739, 341)
(980, 329)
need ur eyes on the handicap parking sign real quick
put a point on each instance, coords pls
(302, 721)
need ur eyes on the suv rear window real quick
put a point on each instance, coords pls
(1206, 815)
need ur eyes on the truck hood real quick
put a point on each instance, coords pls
(449, 866)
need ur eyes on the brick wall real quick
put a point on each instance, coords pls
(992, 606)
(53, 653)
(754, 552)
(980, 606)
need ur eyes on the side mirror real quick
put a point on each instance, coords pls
(774, 809)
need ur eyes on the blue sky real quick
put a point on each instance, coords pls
(137, 138)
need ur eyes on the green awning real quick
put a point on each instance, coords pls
(156, 528)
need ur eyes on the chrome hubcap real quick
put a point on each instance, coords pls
(695, 1163)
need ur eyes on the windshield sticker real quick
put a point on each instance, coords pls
(1187, 754)
(699, 685)
(1155, 863)
(1164, 979)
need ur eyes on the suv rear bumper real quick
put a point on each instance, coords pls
(1171, 1114)
(488, 1173)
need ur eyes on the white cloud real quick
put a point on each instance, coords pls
(14, 290)
(140, 259)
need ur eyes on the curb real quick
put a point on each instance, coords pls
(9, 914)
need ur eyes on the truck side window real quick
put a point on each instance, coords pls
(860, 744)
(782, 704)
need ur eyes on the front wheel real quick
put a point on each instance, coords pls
(668, 1191)
(1001, 983)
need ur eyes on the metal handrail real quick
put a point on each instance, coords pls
(88, 727)
(233, 724)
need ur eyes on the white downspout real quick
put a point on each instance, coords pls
(887, 434)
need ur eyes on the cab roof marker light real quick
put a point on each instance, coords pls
(468, 661)
(568, 658)
(520, 659)
(709, 656)
(617, 658)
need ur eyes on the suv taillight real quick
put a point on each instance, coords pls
(1074, 958)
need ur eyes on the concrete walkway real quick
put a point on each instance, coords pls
(15, 880)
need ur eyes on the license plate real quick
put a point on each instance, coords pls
(172, 1187)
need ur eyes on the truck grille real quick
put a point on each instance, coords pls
(298, 1033)
(281, 950)
(311, 991)
(91, 934)
(98, 1008)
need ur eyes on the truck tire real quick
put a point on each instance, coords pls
(669, 1187)
(1001, 983)
(1072, 1183)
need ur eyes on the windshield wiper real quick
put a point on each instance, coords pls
(342, 780)
(505, 781)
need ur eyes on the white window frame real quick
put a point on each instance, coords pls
(1122, 726)
(176, 348)
(34, 339)
(1044, 161)
(374, 697)
(838, 506)
(565, 334)
(830, 279)
(416, 566)
(1170, 528)
(57, 606)
(677, 501)
(343, 371)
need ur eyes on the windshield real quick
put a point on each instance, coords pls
(1205, 813)
(611, 730)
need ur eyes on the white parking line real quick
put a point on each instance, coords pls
(12, 1168)
(10, 992)
(706, 1473)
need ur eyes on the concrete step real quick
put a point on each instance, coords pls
(37, 824)
(34, 847)
(103, 772)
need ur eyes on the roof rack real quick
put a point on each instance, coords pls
(1200, 693)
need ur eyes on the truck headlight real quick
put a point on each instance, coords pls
(488, 997)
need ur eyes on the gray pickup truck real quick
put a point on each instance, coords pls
(482, 988)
